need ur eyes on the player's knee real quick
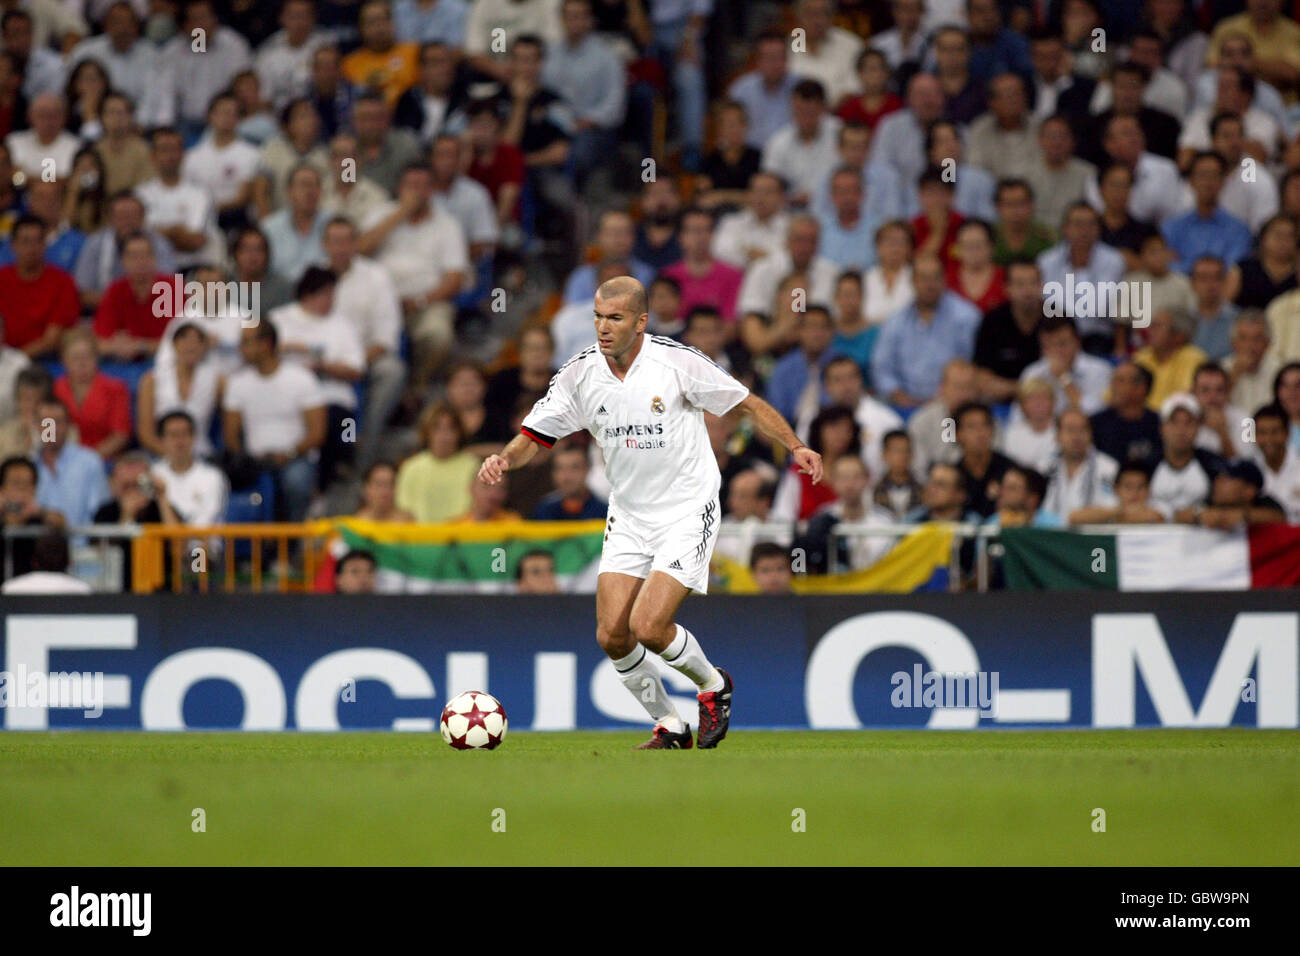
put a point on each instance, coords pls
(646, 626)
(614, 643)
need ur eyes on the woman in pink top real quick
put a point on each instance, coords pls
(703, 279)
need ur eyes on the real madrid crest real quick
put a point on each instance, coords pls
(657, 405)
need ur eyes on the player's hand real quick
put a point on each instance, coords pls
(809, 462)
(493, 467)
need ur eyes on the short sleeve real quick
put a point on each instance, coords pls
(556, 413)
(707, 385)
(308, 391)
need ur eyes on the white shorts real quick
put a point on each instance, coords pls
(682, 548)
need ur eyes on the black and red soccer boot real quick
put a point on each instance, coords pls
(715, 713)
(665, 739)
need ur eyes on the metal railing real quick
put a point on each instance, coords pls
(173, 556)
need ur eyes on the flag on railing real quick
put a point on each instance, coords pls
(1153, 558)
(471, 557)
(917, 562)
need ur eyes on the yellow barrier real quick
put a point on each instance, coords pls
(150, 558)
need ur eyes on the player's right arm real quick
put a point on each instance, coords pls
(516, 454)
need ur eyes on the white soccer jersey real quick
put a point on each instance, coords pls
(650, 425)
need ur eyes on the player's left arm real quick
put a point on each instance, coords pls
(772, 425)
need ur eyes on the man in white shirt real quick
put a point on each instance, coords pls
(1157, 192)
(274, 412)
(1254, 201)
(283, 62)
(131, 62)
(179, 211)
(1235, 92)
(1278, 460)
(1078, 380)
(758, 230)
(763, 278)
(49, 574)
(829, 54)
(196, 74)
(30, 149)
(315, 336)
(905, 41)
(425, 253)
(197, 491)
(1185, 475)
(804, 153)
(507, 20)
(1223, 425)
(365, 296)
(841, 380)
(466, 199)
(222, 164)
(1081, 476)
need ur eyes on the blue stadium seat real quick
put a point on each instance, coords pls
(256, 504)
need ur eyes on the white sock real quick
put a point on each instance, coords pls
(685, 656)
(640, 676)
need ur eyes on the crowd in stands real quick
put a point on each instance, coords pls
(319, 257)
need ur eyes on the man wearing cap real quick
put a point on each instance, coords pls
(1236, 498)
(1169, 355)
(1184, 477)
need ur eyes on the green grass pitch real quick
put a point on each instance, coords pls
(1171, 797)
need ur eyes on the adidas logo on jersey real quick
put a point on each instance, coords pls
(601, 411)
(676, 565)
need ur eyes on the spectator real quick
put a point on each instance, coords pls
(1255, 201)
(943, 497)
(1169, 355)
(1081, 254)
(663, 303)
(466, 200)
(465, 392)
(769, 563)
(383, 151)
(98, 404)
(1250, 366)
(1018, 235)
(20, 509)
(20, 430)
(295, 232)
(1279, 461)
(1118, 228)
(497, 165)
(900, 137)
(274, 412)
(833, 434)
(1233, 96)
(980, 465)
(1056, 87)
(1058, 177)
(100, 260)
(1224, 426)
(180, 211)
(1286, 393)
(63, 241)
(841, 382)
(314, 335)
(1080, 477)
(855, 337)
(965, 96)
(758, 231)
(883, 195)
(433, 485)
(916, 343)
(702, 279)
(381, 65)
(830, 53)
(49, 570)
(1157, 191)
(127, 322)
(431, 21)
(656, 235)
(1236, 498)
(39, 300)
(705, 331)
(888, 284)
(584, 69)
(130, 61)
(355, 573)
(487, 504)
(122, 151)
(425, 253)
(535, 573)
(70, 477)
(526, 381)
(1007, 341)
(615, 236)
(972, 274)
(1005, 141)
(1019, 501)
(1128, 430)
(1168, 290)
(1030, 439)
(1268, 274)
(763, 280)
(571, 500)
(366, 297)
(793, 371)
(537, 20)
(804, 152)
(47, 145)
(332, 95)
(936, 227)
(186, 384)
(874, 99)
(1130, 503)
(764, 91)
(1129, 83)
(897, 490)
(283, 61)
(1166, 91)
(427, 107)
(1206, 229)
(379, 495)
(193, 75)
(852, 504)
(353, 196)
(847, 233)
(1185, 474)
(749, 498)
(995, 49)
(1214, 314)
(296, 143)
(930, 427)
(138, 497)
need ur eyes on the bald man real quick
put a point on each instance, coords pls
(643, 398)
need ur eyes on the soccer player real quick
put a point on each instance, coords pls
(643, 397)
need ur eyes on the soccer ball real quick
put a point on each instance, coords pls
(474, 721)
